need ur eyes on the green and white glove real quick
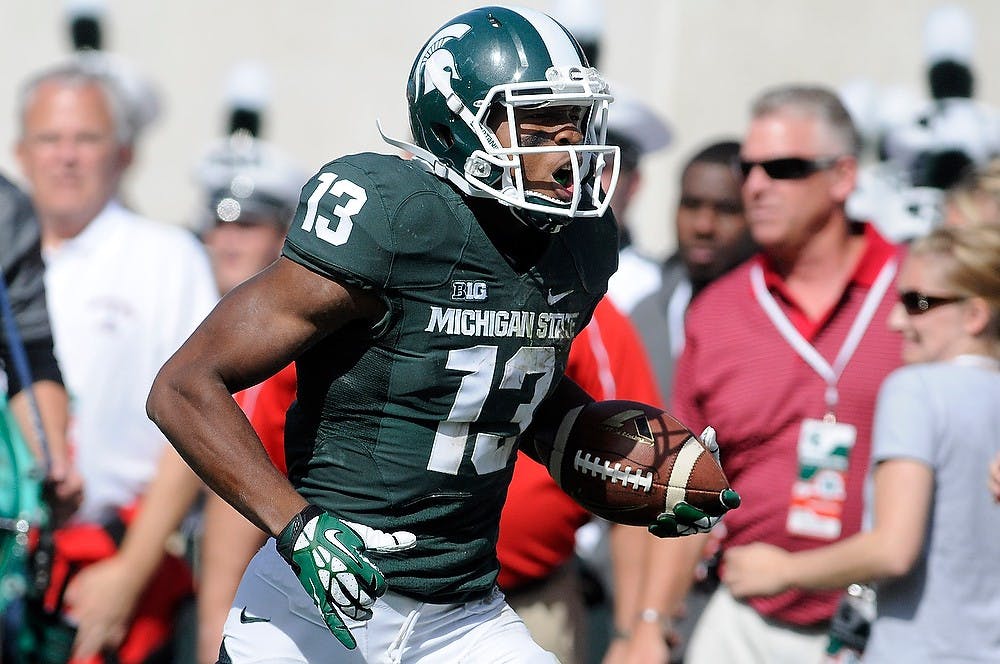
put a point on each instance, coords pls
(328, 556)
(687, 519)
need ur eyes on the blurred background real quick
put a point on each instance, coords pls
(331, 67)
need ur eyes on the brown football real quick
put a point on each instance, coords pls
(629, 462)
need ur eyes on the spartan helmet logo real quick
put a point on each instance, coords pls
(436, 66)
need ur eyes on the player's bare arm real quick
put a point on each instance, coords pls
(290, 308)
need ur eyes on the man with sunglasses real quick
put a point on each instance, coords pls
(784, 355)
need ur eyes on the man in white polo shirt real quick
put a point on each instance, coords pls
(124, 292)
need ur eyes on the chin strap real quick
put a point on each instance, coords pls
(430, 163)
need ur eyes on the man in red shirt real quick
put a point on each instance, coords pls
(784, 356)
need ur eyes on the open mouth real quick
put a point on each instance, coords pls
(700, 254)
(564, 176)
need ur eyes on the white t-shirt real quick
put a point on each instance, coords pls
(947, 609)
(637, 277)
(123, 295)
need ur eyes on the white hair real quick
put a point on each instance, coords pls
(815, 102)
(79, 73)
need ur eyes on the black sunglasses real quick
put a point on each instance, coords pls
(788, 168)
(917, 303)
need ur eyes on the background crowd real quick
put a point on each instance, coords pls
(823, 239)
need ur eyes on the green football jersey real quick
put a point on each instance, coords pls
(413, 425)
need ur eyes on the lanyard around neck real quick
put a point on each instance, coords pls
(829, 373)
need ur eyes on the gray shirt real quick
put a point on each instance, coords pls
(23, 271)
(947, 609)
(660, 324)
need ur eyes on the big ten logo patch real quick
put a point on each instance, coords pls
(468, 291)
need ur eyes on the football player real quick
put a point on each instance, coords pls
(429, 305)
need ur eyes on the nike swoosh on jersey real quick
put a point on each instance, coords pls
(246, 620)
(553, 298)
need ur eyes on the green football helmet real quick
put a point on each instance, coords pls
(493, 60)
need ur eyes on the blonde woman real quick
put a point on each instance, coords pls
(976, 198)
(932, 542)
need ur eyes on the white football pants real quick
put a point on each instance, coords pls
(273, 619)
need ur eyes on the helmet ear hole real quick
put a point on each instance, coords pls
(443, 134)
(494, 115)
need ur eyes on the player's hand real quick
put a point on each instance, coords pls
(686, 519)
(328, 556)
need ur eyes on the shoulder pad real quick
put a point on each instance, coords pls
(367, 218)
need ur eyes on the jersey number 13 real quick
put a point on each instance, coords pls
(491, 452)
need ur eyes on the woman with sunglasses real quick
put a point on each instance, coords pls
(932, 543)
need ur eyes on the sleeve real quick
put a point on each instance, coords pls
(582, 365)
(684, 397)
(904, 422)
(630, 363)
(341, 227)
(23, 274)
(609, 361)
(21, 257)
(41, 362)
